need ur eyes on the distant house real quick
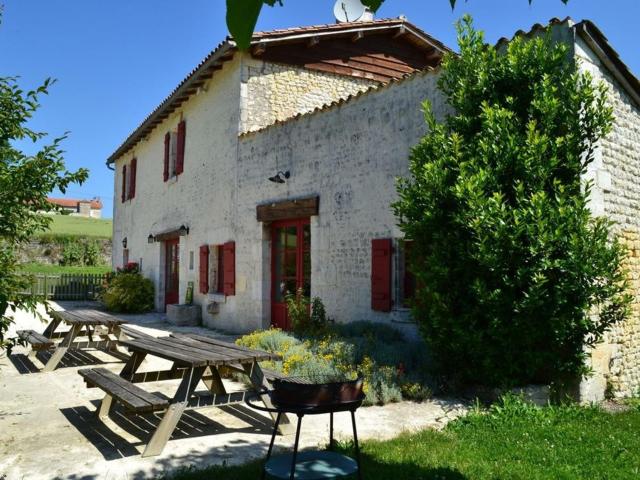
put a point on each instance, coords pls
(81, 208)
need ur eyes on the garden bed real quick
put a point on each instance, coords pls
(393, 367)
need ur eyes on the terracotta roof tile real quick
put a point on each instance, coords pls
(95, 203)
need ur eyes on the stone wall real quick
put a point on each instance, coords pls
(349, 155)
(204, 196)
(616, 194)
(49, 252)
(272, 92)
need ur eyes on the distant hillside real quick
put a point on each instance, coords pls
(66, 225)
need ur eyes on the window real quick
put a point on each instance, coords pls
(174, 145)
(405, 280)
(217, 269)
(129, 173)
(392, 284)
(173, 153)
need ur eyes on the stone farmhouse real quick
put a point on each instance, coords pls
(80, 208)
(273, 170)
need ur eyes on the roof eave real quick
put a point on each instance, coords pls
(599, 44)
(224, 50)
(229, 47)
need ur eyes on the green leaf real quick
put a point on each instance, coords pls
(242, 16)
(373, 5)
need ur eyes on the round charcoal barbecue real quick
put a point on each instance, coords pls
(299, 397)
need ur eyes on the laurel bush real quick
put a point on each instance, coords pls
(515, 275)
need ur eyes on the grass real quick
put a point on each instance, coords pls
(66, 225)
(513, 441)
(59, 269)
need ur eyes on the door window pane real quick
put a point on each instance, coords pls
(292, 237)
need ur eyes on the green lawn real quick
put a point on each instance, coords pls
(79, 226)
(513, 442)
(58, 269)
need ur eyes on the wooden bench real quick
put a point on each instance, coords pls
(35, 339)
(131, 396)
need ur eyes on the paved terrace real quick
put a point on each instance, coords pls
(49, 429)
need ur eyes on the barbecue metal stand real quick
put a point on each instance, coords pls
(310, 465)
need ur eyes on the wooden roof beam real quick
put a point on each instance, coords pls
(259, 49)
(433, 54)
(401, 31)
(313, 41)
(358, 36)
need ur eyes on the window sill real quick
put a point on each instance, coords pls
(402, 315)
(217, 297)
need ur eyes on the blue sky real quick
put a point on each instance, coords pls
(116, 60)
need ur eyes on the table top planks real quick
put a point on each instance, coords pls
(87, 316)
(196, 350)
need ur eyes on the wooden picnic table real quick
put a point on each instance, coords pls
(93, 322)
(194, 358)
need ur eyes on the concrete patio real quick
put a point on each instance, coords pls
(49, 429)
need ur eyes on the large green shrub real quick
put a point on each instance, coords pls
(515, 275)
(79, 252)
(128, 292)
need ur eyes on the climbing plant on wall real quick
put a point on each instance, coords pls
(515, 275)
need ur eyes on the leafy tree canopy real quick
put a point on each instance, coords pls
(242, 16)
(515, 275)
(25, 182)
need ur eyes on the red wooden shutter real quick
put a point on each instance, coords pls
(182, 133)
(167, 147)
(204, 269)
(381, 274)
(123, 194)
(229, 267)
(132, 177)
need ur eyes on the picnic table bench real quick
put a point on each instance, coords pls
(194, 358)
(92, 322)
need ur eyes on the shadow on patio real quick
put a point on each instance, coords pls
(193, 424)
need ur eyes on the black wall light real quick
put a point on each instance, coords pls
(182, 231)
(280, 177)
(151, 238)
(124, 242)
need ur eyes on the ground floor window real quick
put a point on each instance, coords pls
(405, 279)
(392, 283)
(217, 268)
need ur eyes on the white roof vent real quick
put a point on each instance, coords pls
(351, 11)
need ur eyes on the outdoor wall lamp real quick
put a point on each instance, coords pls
(151, 238)
(183, 231)
(124, 242)
(280, 177)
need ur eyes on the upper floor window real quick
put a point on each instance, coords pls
(129, 172)
(174, 143)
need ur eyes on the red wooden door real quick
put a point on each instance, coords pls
(171, 275)
(290, 265)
